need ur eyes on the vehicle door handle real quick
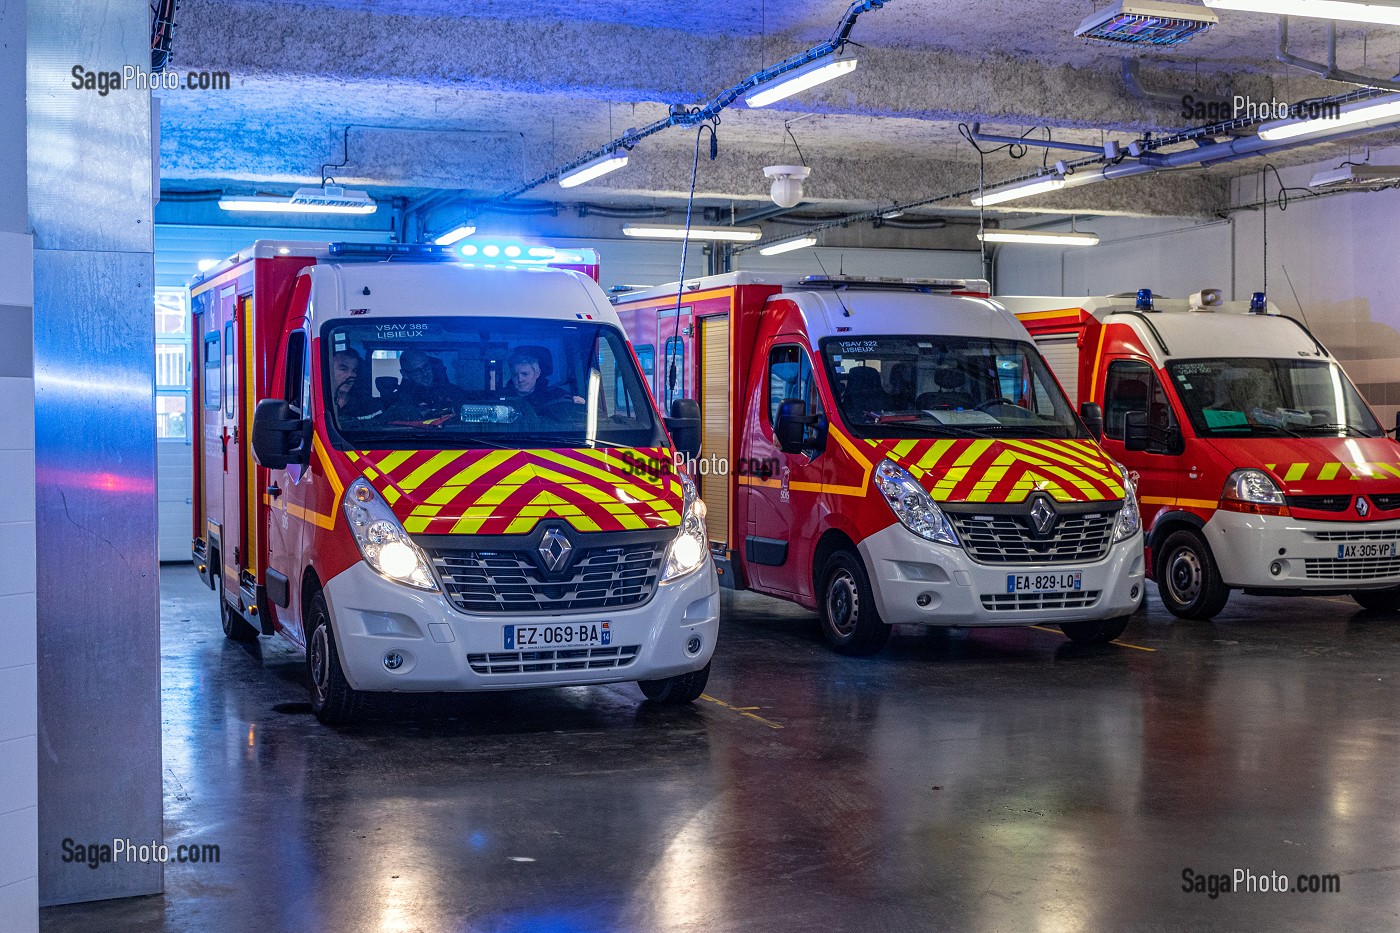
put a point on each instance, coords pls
(274, 490)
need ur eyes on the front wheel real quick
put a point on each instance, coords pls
(850, 621)
(678, 690)
(1379, 600)
(1188, 579)
(1095, 631)
(236, 628)
(333, 700)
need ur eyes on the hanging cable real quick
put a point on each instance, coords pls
(674, 343)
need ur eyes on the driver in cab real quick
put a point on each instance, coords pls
(423, 385)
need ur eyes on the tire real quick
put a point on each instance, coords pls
(1188, 579)
(333, 700)
(236, 628)
(1379, 600)
(850, 621)
(678, 690)
(1095, 631)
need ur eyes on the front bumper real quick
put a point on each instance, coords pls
(1268, 552)
(444, 649)
(903, 567)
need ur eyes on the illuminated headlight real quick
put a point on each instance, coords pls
(1129, 520)
(912, 504)
(687, 552)
(383, 543)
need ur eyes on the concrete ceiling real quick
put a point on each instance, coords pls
(480, 97)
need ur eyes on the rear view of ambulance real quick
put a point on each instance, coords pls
(461, 482)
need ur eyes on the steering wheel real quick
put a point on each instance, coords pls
(996, 401)
(562, 409)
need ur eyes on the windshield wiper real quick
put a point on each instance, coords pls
(1341, 427)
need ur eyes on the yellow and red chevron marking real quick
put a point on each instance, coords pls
(1006, 470)
(1298, 472)
(510, 491)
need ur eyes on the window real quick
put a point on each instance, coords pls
(230, 375)
(172, 364)
(790, 380)
(1132, 386)
(212, 371)
(1259, 397)
(646, 355)
(675, 356)
(296, 389)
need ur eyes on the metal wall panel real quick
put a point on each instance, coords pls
(89, 164)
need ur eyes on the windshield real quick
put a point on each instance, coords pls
(478, 382)
(1267, 398)
(905, 387)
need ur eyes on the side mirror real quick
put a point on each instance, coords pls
(1092, 416)
(684, 425)
(1135, 430)
(279, 435)
(791, 426)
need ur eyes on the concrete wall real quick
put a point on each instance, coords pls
(19, 768)
(1332, 261)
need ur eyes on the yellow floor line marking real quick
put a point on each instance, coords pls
(1120, 644)
(742, 711)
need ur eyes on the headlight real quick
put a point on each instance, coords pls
(687, 552)
(1253, 491)
(1129, 521)
(912, 504)
(383, 543)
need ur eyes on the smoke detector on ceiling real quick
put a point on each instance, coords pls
(1146, 23)
(1357, 176)
(787, 183)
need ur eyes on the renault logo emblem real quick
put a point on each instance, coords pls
(554, 550)
(1363, 508)
(1042, 517)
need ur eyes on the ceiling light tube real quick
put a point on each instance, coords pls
(1019, 189)
(788, 246)
(304, 201)
(459, 232)
(607, 162)
(796, 81)
(1367, 113)
(1039, 238)
(678, 232)
(1384, 12)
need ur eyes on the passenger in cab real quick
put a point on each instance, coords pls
(529, 380)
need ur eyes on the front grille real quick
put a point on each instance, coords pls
(1003, 538)
(564, 659)
(1392, 534)
(601, 577)
(1015, 602)
(1369, 568)
(1387, 503)
(1320, 503)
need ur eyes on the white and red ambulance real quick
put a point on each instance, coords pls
(890, 452)
(1262, 468)
(437, 476)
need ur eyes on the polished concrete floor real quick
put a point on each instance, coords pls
(969, 781)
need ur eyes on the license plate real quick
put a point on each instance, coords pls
(1044, 582)
(543, 637)
(1354, 551)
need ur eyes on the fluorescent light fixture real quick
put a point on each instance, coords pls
(788, 246)
(1039, 238)
(1357, 176)
(677, 232)
(1385, 12)
(1375, 112)
(1020, 189)
(328, 200)
(459, 232)
(608, 162)
(206, 264)
(800, 79)
(1146, 23)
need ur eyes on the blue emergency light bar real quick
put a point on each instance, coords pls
(406, 252)
(507, 253)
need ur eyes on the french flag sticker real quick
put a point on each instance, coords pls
(584, 317)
